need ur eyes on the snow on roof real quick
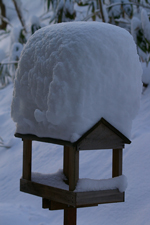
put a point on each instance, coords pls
(72, 74)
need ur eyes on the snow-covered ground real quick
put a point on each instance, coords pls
(19, 208)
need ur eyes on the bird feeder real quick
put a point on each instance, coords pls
(70, 76)
(101, 136)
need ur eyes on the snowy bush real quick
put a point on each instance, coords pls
(63, 11)
(16, 51)
(4, 71)
(118, 10)
(64, 85)
(140, 29)
(4, 74)
(35, 24)
(14, 57)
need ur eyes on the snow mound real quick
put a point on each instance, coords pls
(72, 74)
(86, 184)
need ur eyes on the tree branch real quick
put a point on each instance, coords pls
(101, 10)
(128, 3)
(19, 14)
(3, 13)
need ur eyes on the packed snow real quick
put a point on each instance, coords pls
(19, 208)
(85, 184)
(72, 74)
(53, 180)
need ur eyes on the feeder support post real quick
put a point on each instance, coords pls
(27, 159)
(71, 171)
(117, 162)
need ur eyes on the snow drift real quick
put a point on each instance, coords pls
(72, 74)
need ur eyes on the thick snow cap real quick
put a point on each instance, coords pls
(72, 74)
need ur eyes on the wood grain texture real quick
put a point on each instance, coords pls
(101, 138)
(99, 197)
(74, 199)
(48, 192)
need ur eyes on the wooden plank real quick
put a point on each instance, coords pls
(75, 199)
(27, 159)
(45, 203)
(48, 192)
(102, 137)
(99, 197)
(52, 205)
(73, 168)
(66, 162)
(117, 162)
(44, 139)
(70, 215)
(71, 171)
(89, 144)
(105, 123)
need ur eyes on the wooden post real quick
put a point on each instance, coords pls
(71, 171)
(73, 168)
(27, 159)
(66, 162)
(70, 216)
(116, 162)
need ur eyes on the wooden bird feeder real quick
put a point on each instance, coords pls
(101, 136)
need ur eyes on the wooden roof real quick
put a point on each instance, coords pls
(101, 136)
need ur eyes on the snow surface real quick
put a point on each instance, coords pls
(87, 184)
(17, 208)
(146, 73)
(2, 55)
(84, 184)
(15, 51)
(72, 74)
(35, 20)
(15, 33)
(115, 10)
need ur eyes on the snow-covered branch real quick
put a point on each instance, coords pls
(101, 10)
(127, 3)
(3, 13)
(17, 4)
(5, 20)
(7, 63)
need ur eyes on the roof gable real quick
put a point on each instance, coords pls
(101, 136)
